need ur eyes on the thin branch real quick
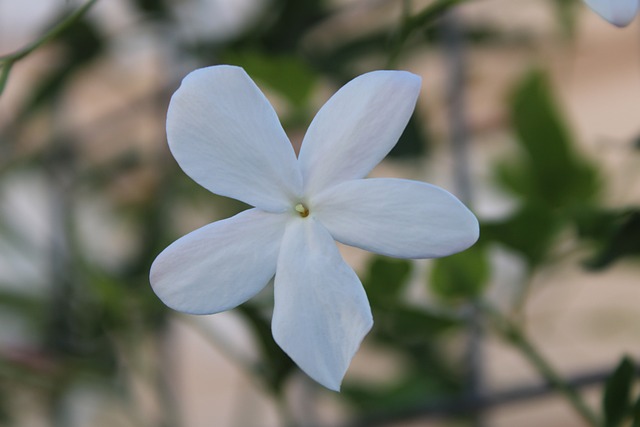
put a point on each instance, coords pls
(9, 60)
(460, 406)
(410, 24)
(516, 337)
(454, 51)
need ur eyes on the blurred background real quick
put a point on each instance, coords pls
(528, 113)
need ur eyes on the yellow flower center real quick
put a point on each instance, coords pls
(302, 210)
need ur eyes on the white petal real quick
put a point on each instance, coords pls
(617, 12)
(221, 265)
(396, 217)
(226, 136)
(321, 311)
(357, 128)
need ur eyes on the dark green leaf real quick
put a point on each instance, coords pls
(413, 142)
(156, 8)
(409, 390)
(385, 279)
(18, 301)
(81, 42)
(276, 365)
(410, 324)
(460, 276)
(636, 413)
(293, 21)
(286, 74)
(530, 231)
(615, 233)
(566, 15)
(616, 401)
(549, 171)
(420, 20)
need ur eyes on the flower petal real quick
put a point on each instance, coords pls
(617, 12)
(226, 136)
(221, 265)
(321, 311)
(357, 128)
(396, 217)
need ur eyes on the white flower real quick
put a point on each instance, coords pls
(226, 136)
(617, 12)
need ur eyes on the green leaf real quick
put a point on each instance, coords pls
(530, 231)
(81, 42)
(616, 233)
(286, 74)
(284, 24)
(19, 302)
(636, 413)
(407, 324)
(413, 388)
(420, 21)
(549, 171)
(566, 15)
(156, 8)
(616, 401)
(385, 280)
(276, 365)
(413, 142)
(460, 276)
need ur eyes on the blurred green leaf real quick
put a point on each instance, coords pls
(616, 401)
(420, 20)
(20, 302)
(81, 43)
(286, 74)
(5, 415)
(63, 24)
(566, 12)
(386, 278)
(409, 390)
(337, 60)
(282, 26)
(293, 20)
(616, 234)
(157, 8)
(411, 331)
(414, 334)
(530, 231)
(276, 365)
(413, 142)
(460, 276)
(408, 324)
(549, 171)
(636, 413)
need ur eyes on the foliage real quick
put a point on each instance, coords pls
(616, 401)
(90, 319)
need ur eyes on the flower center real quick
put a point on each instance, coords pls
(302, 210)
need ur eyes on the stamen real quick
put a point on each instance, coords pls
(302, 210)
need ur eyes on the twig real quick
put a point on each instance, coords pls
(516, 337)
(410, 24)
(8, 61)
(453, 46)
(460, 406)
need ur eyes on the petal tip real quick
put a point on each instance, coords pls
(470, 233)
(617, 12)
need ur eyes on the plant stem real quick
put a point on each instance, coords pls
(411, 23)
(516, 337)
(8, 61)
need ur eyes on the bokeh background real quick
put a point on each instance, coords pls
(528, 112)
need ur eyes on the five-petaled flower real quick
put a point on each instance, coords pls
(617, 12)
(226, 136)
